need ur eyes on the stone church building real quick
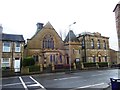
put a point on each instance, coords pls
(47, 47)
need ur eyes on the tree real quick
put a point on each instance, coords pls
(28, 61)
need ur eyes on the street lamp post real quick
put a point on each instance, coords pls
(69, 45)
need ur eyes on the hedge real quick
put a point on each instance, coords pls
(103, 64)
(89, 64)
(34, 68)
(28, 61)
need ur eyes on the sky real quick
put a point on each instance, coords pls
(21, 17)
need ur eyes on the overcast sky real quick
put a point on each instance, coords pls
(21, 16)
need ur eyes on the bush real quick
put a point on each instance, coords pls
(28, 61)
(34, 68)
(103, 64)
(89, 64)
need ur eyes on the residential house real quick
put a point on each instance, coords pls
(12, 51)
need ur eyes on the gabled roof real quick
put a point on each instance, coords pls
(48, 25)
(116, 6)
(12, 37)
(72, 36)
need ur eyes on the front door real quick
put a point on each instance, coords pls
(17, 65)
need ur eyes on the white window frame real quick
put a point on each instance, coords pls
(3, 63)
(17, 49)
(6, 49)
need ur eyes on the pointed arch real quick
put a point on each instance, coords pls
(48, 42)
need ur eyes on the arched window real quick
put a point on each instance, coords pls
(36, 58)
(104, 44)
(48, 42)
(98, 44)
(92, 44)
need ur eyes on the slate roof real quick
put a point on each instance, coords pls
(116, 6)
(73, 38)
(12, 37)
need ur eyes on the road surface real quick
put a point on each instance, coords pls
(91, 80)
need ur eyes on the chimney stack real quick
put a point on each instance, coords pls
(39, 26)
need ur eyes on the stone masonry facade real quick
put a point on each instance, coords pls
(47, 47)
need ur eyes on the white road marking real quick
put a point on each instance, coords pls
(23, 83)
(66, 78)
(9, 77)
(91, 85)
(33, 85)
(37, 83)
(100, 71)
(98, 74)
(88, 86)
(14, 84)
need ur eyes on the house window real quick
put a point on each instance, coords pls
(48, 42)
(94, 60)
(83, 44)
(35, 58)
(51, 59)
(99, 59)
(60, 58)
(105, 58)
(54, 58)
(83, 58)
(104, 44)
(5, 62)
(73, 51)
(6, 46)
(98, 44)
(79, 51)
(17, 47)
(92, 44)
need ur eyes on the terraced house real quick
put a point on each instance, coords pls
(12, 47)
(47, 47)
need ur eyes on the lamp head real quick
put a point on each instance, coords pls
(74, 22)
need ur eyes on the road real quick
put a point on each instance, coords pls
(96, 79)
